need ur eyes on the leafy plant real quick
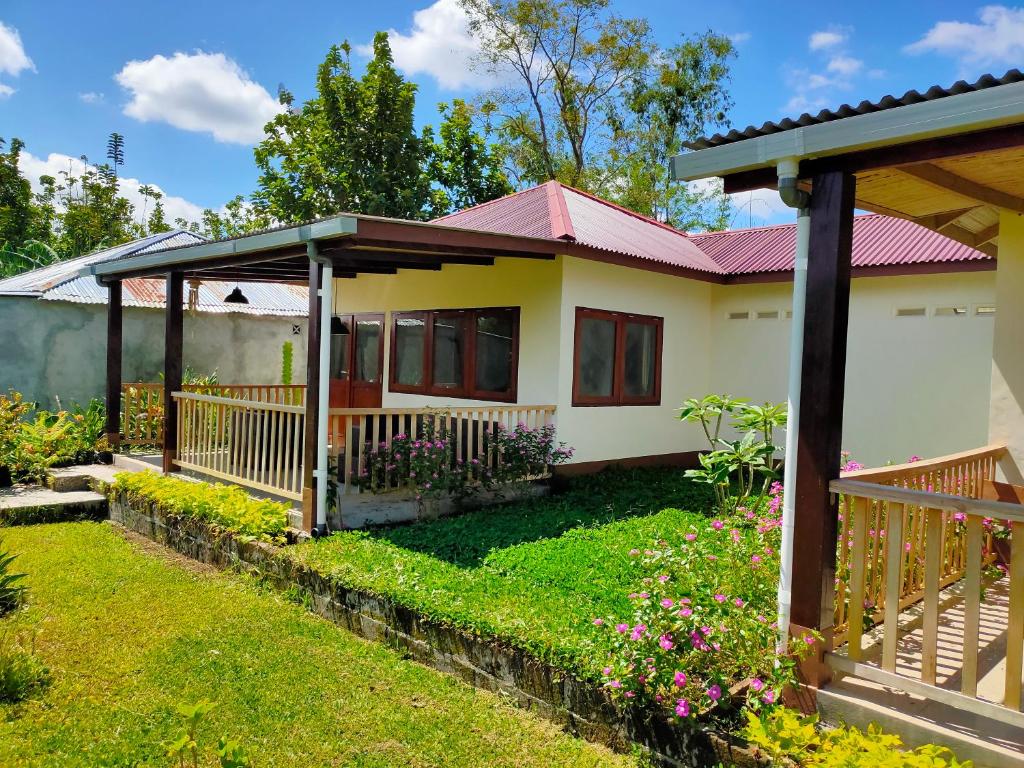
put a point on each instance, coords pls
(789, 738)
(12, 592)
(226, 506)
(30, 446)
(736, 469)
(12, 411)
(185, 746)
(286, 363)
(21, 672)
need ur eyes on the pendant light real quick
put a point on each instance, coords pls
(236, 296)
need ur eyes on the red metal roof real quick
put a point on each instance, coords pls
(555, 210)
(878, 241)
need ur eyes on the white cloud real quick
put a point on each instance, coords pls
(439, 44)
(91, 97)
(757, 207)
(201, 92)
(827, 38)
(997, 39)
(739, 37)
(802, 102)
(845, 66)
(33, 167)
(13, 59)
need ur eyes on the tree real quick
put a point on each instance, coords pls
(569, 59)
(115, 151)
(675, 101)
(465, 168)
(239, 218)
(351, 148)
(22, 218)
(91, 214)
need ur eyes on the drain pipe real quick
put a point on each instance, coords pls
(794, 197)
(323, 402)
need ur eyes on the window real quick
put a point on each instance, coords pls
(617, 358)
(457, 353)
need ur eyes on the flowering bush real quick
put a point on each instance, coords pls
(702, 633)
(428, 463)
(30, 446)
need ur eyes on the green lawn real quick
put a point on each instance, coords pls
(130, 632)
(533, 573)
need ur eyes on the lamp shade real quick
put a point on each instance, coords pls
(236, 297)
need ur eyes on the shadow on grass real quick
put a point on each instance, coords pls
(613, 494)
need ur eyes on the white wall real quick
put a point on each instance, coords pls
(615, 432)
(531, 284)
(914, 385)
(1006, 417)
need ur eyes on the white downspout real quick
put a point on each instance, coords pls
(323, 403)
(788, 170)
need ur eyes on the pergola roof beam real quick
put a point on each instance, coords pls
(947, 181)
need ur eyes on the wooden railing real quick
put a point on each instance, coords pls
(356, 433)
(863, 557)
(142, 405)
(255, 444)
(929, 525)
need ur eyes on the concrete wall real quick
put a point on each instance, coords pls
(1006, 415)
(54, 349)
(914, 384)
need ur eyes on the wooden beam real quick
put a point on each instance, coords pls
(987, 235)
(173, 324)
(309, 446)
(938, 221)
(114, 352)
(821, 404)
(947, 181)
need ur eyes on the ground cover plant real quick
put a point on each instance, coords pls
(132, 633)
(227, 507)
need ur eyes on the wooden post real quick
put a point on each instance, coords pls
(174, 319)
(114, 346)
(309, 447)
(821, 410)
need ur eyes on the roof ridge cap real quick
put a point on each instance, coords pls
(558, 212)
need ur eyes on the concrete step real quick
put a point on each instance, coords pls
(919, 721)
(84, 477)
(31, 504)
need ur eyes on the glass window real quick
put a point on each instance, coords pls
(448, 354)
(367, 363)
(410, 340)
(640, 365)
(495, 351)
(340, 349)
(596, 357)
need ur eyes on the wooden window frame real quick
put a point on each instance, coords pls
(618, 396)
(468, 390)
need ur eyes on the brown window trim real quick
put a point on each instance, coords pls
(468, 391)
(618, 396)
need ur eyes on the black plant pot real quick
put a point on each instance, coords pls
(5, 477)
(105, 457)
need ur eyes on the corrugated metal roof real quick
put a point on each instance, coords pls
(62, 282)
(594, 222)
(878, 241)
(865, 107)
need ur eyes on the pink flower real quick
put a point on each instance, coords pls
(634, 552)
(598, 622)
(686, 612)
(644, 595)
(666, 643)
(684, 601)
(718, 525)
(638, 631)
(666, 603)
(622, 628)
(756, 685)
(738, 602)
(629, 694)
(663, 578)
(690, 536)
(615, 684)
(606, 671)
(714, 693)
(719, 598)
(809, 639)
(682, 708)
(679, 679)
(755, 558)
(769, 697)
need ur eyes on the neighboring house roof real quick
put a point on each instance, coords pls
(561, 212)
(878, 241)
(865, 107)
(63, 282)
(555, 210)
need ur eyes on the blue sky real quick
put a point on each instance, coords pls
(189, 83)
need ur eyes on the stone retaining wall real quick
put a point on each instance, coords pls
(581, 707)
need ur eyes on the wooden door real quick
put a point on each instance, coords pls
(357, 361)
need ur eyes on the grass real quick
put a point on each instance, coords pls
(130, 632)
(533, 574)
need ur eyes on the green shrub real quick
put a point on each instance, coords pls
(21, 672)
(12, 411)
(226, 506)
(11, 591)
(789, 739)
(31, 443)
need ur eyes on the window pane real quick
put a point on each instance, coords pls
(409, 346)
(368, 366)
(596, 362)
(339, 349)
(494, 345)
(641, 352)
(449, 351)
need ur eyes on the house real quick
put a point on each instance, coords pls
(54, 322)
